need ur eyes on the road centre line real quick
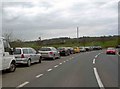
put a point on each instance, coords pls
(98, 79)
(49, 70)
(56, 66)
(60, 63)
(23, 84)
(39, 75)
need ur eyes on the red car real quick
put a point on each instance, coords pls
(111, 51)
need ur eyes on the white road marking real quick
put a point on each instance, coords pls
(49, 70)
(96, 56)
(60, 63)
(118, 54)
(22, 84)
(93, 61)
(98, 79)
(39, 75)
(56, 66)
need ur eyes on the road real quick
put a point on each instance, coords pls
(89, 69)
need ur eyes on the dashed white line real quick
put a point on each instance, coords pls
(25, 83)
(39, 75)
(98, 79)
(64, 61)
(60, 63)
(93, 61)
(56, 66)
(49, 70)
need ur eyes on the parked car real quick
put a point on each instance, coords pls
(64, 51)
(82, 49)
(77, 50)
(111, 50)
(49, 52)
(88, 48)
(7, 61)
(71, 50)
(97, 48)
(26, 55)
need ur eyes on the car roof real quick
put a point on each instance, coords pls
(23, 47)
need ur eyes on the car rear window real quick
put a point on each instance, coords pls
(45, 49)
(17, 51)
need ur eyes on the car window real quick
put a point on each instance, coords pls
(30, 51)
(25, 51)
(53, 49)
(17, 51)
(111, 49)
(6, 46)
(34, 51)
(45, 49)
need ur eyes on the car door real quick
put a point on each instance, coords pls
(36, 56)
(32, 56)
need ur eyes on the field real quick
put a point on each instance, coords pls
(59, 42)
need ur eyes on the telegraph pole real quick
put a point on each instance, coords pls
(78, 35)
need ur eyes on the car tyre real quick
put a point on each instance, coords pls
(40, 60)
(53, 57)
(12, 67)
(29, 63)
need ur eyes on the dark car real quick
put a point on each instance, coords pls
(71, 50)
(64, 51)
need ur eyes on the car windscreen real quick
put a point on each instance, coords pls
(111, 49)
(17, 51)
(61, 48)
(45, 49)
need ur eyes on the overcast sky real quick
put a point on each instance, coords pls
(59, 18)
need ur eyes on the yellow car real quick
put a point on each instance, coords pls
(77, 50)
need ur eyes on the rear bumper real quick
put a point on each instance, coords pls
(21, 61)
(47, 56)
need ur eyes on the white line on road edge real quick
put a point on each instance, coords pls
(56, 66)
(22, 84)
(60, 63)
(39, 75)
(49, 70)
(98, 79)
(93, 61)
(118, 54)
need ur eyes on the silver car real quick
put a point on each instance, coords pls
(26, 56)
(49, 52)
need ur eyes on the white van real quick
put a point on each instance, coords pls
(7, 60)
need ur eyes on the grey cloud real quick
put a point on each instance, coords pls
(54, 24)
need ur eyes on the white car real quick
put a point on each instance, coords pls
(82, 49)
(26, 55)
(49, 52)
(7, 60)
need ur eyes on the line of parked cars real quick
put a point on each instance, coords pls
(27, 55)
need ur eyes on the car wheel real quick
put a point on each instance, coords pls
(29, 63)
(59, 56)
(53, 57)
(40, 60)
(12, 67)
